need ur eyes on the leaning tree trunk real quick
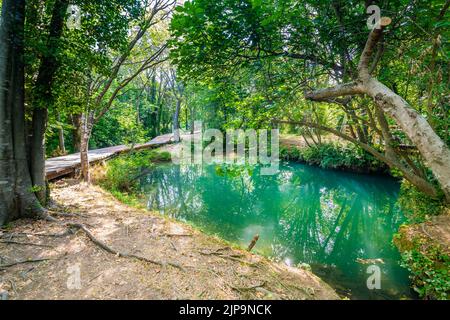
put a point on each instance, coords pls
(17, 199)
(431, 147)
(419, 131)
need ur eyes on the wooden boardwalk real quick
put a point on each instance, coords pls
(58, 167)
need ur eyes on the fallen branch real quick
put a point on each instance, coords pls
(253, 243)
(108, 249)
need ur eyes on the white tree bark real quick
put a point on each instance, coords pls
(431, 147)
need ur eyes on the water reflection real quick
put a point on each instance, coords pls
(328, 219)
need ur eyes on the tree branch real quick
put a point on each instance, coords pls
(374, 38)
(421, 183)
(331, 94)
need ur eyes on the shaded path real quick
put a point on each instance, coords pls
(213, 270)
(62, 166)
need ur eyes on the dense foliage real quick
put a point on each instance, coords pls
(133, 70)
(428, 263)
(335, 156)
(123, 173)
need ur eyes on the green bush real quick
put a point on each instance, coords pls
(122, 173)
(417, 206)
(291, 153)
(428, 263)
(334, 156)
(430, 272)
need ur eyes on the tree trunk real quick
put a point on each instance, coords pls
(176, 122)
(159, 117)
(87, 123)
(76, 132)
(62, 144)
(419, 131)
(17, 199)
(43, 97)
(416, 180)
(192, 120)
(37, 159)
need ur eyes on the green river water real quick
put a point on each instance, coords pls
(333, 221)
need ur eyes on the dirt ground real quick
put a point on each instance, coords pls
(76, 268)
(299, 141)
(434, 231)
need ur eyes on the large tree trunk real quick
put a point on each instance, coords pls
(419, 131)
(431, 147)
(16, 197)
(43, 97)
(37, 159)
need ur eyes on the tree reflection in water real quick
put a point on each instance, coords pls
(304, 214)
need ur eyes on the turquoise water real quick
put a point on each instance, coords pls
(333, 221)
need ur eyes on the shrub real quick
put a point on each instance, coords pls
(427, 262)
(417, 206)
(334, 156)
(430, 272)
(290, 153)
(122, 173)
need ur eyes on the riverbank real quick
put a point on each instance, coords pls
(331, 153)
(207, 267)
(425, 248)
(424, 241)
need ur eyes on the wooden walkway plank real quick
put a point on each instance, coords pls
(62, 166)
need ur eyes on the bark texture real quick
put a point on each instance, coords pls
(17, 199)
(43, 98)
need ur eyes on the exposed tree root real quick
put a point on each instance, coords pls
(171, 235)
(108, 249)
(240, 289)
(69, 215)
(104, 246)
(25, 243)
(229, 257)
(47, 235)
(12, 264)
